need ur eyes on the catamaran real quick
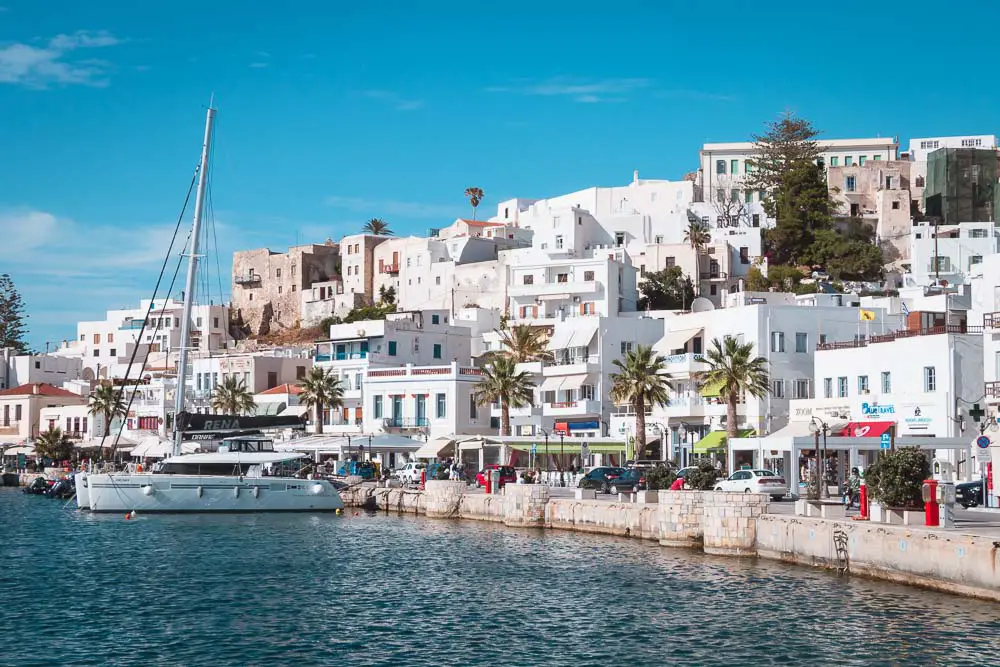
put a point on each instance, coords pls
(245, 475)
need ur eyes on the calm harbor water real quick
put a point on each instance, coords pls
(81, 589)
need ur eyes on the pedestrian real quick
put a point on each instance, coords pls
(678, 484)
(852, 489)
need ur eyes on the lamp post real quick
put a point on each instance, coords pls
(820, 426)
(548, 455)
(348, 448)
(562, 453)
(681, 437)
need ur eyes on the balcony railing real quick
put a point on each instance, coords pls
(993, 390)
(416, 422)
(132, 325)
(563, 404)
(904, 333)
(714, 275)
(246, 278)
(341, 356)
(390, 268)
(991, 320)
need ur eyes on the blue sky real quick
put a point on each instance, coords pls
(332, 112)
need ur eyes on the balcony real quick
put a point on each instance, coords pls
(577, 408)
(132, 325)
(522, 413)
(992, 391)
(556, 288)
(714, 275)
(572, 366)
(406, 424)
(904, 333)
(246, 278)
(991, 320)
(10, 428)
(685, 363)
(694, 406)
(453, 371)
(391, 269)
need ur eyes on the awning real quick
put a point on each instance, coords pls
(573, 382)
(436, 448)
(27, 450)
(675, 340)
(551, 384)
(715, 441)
(872, 429)
(793, 430)
(570, 446)
(124, 444)
(581, 337)
(270, 408)
(559, 340)
(295, 410)
(711, 389)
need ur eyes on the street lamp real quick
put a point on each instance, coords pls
(548, 455)
(681, 440)
(562, 453)
(348, 447)
(818, 426)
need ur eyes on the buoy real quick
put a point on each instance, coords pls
(355, 514)
(339, 511)
(317, 489)
(147, 490)
(256, 492)
(128, 516)
(201, 491)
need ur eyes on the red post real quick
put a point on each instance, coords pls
(489, 481)
(423, 479)
(931, 511)
(863, 500)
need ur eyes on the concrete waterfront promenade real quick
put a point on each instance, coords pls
(726, 524)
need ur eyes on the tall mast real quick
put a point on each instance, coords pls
(192, 273)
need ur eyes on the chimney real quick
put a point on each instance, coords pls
(635, 177)
(36, 388)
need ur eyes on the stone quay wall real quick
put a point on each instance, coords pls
(725, 524)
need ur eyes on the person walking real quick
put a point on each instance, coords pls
(852, 489)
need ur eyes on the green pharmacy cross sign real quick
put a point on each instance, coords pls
(976, 412)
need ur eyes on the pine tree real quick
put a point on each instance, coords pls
(803, 208)
(788, 143)
(12, 327)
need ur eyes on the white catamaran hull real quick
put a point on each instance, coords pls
(125, 492)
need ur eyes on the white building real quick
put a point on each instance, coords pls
(419, 338)
(258, 371)
(20, 409)
(19, 369)
(949, 253)
(425, 401)
(920, 147)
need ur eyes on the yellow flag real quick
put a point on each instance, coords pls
(867, 315)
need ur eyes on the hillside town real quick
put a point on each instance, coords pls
(888, 333)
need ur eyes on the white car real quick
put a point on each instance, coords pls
(754, 481)
(410, 473)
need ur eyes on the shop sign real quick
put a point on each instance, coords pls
(872, 410)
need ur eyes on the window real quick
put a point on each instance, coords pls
(713, 290)
(555, 221)
(862, 160)
(777, 341)
(720, 166)
(392, 348)
(437, 350)
(940, 263)
(626, 348)
(562, 277)
(529, 279)
(300, 372)
(113, 352)
(588, 276)
(441, 411)
(473, 413)
(658, 238)
(888, 182)
(619, 239)
(559, 242)
(277, 273)
(842, 387)
(720, 195)
(801, 389)
(848, 160)
(734, 167)
(38, 365)
(97, 352)
(747, 167)
(876, 157)
(111, 338)
(862, 384)
(215, 322)
(744, 255)
(642, 269)
(279, 289)
(435, 319)
(930, 378)
(850, 184)
(975, 259)
(918, 181)
(778, 388)
(437, 280)
(834, 161)
(97, 339)
(801, 342)
(734, 195)
(755, 220)
(17, 412)
(973, 234)
(886, 382)
(895, 205)
(197, 322)
(377, 407)
(670, 261)
(748, 197)
(827, 387)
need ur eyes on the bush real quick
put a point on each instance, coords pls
(660, 477)
(896, 479)
(703, 477)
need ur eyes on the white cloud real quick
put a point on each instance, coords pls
(586, 91)
(258, 65)
(389, 208)
(55, 64)
(394, 100)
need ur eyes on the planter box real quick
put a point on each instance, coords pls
(823, 509)
(585, 494)
(877, 513)
(646, 497)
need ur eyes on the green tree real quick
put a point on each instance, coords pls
(786, 144)
(321, 389)
(698, 236)
(377, 227)
(475, 197)
(641, 382)
(107, 403)
(502, 383)
(734, 370)
(53, 444)
(387, 295)
(233, 398)
(804, 207)
(845, 258)
(756, 282)
(668, 289)
(12, 326)
(523, 343)
(896, 478)
(703, 477)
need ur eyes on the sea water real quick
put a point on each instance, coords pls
(377, 589)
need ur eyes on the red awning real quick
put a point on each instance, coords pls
(870, 429)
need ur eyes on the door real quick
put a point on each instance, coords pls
(397, 410)
(364, 349)
(341, 352)
(421, 410)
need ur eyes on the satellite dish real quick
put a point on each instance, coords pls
(702, 305)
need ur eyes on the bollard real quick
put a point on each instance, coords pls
(863, 500)
(423, 479)
(930, 497)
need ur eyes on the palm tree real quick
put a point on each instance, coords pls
(698, 235)
(377, 227)
(106, 401)
(53, 444)
(321, 389)
(642, 382)
(523, 343)
(233, 398)
(475, 197)
(734, 370)
(502, 383)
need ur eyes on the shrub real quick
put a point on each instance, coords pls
(660, 477)
(896, 479)
(703, 477)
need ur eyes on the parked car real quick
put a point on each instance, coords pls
(410, 473)
(507, 474)
(603, 478)
(648, 464)
(969, 494)
(684, 471)
(754, 481)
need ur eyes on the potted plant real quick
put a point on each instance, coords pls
(896, 479)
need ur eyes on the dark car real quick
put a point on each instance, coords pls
(969, 494)
(507, 474)
(609, 479)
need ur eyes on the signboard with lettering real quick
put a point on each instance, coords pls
(187, 421)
